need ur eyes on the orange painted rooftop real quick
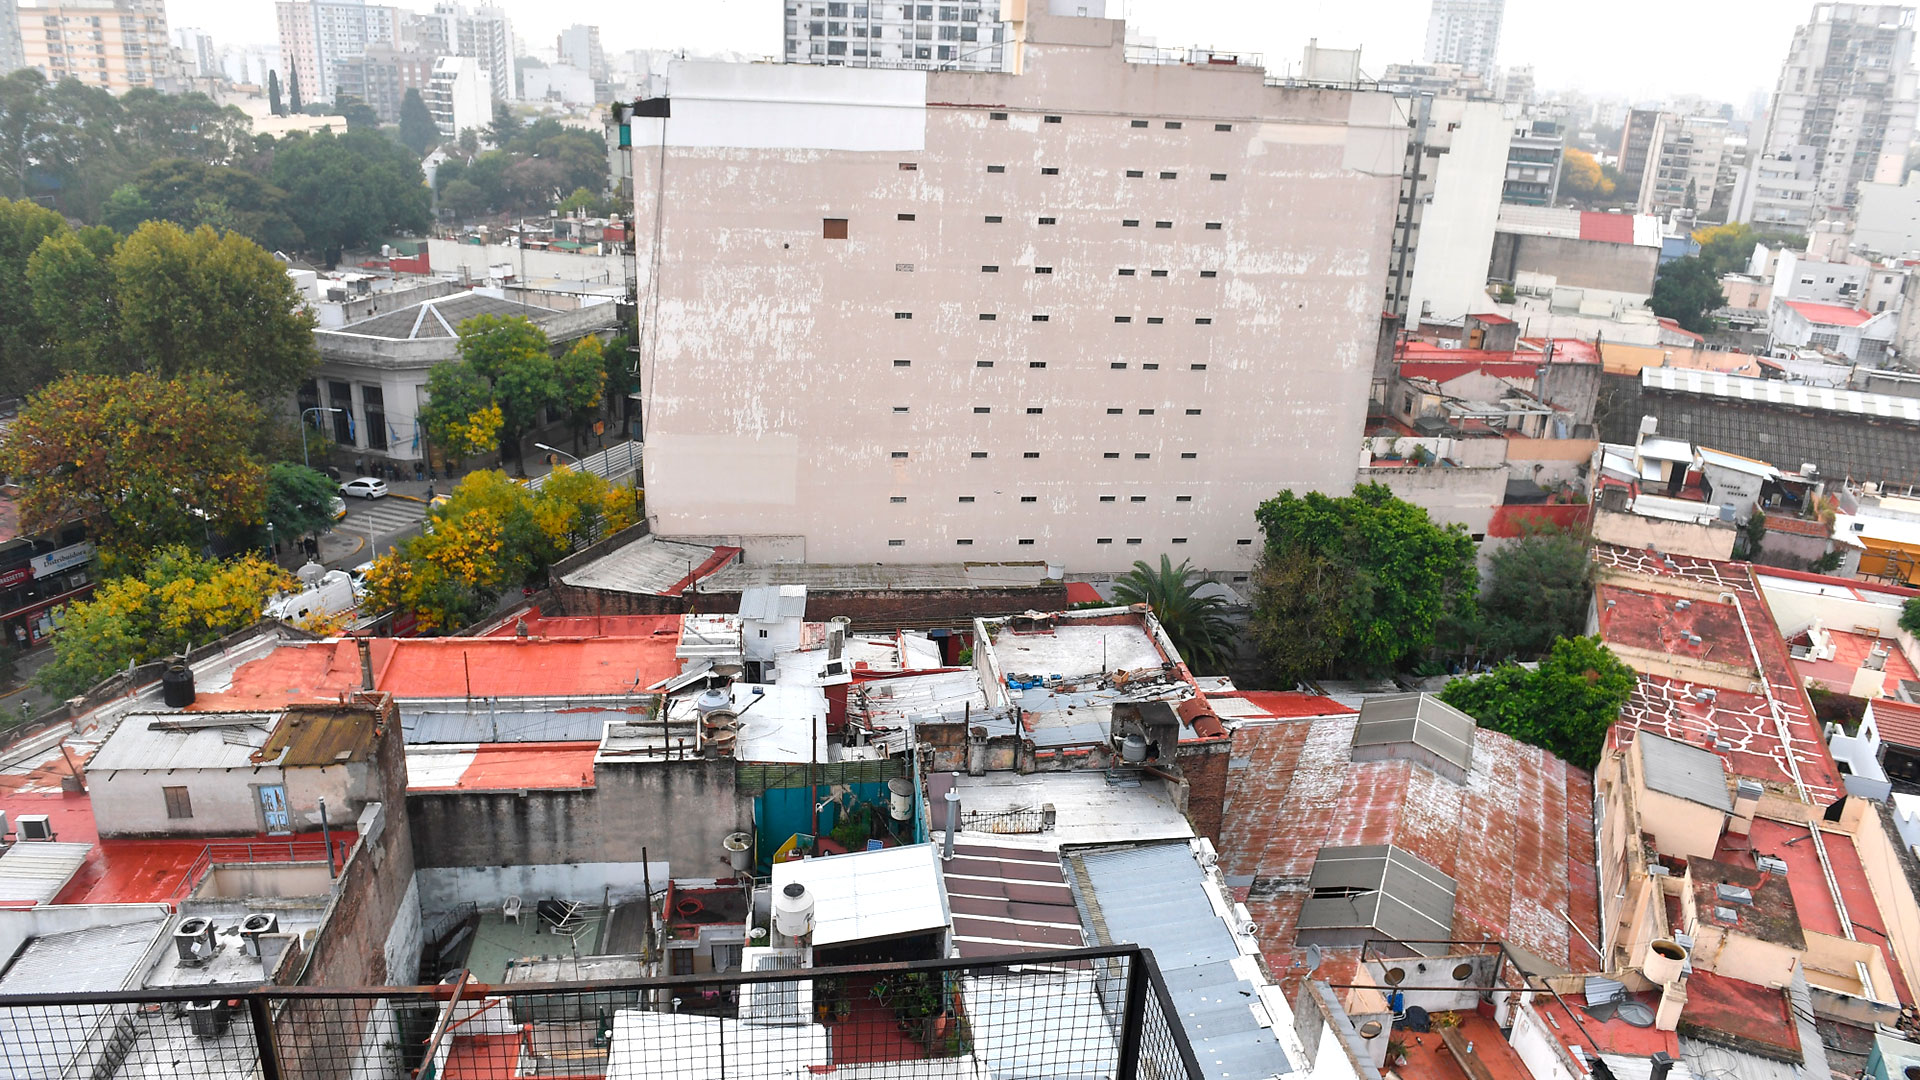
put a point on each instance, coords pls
(515, 766)
(322, 671)
(1850, 651)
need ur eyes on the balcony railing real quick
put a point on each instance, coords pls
(239, 852)
(1101, 1012)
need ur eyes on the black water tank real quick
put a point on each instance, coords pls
(176, 685)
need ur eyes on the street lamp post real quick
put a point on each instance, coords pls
(304, 459)
(556, 450)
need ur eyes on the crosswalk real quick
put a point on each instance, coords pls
(377, 517)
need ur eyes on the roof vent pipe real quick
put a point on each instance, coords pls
(953, 818)
(366, 664)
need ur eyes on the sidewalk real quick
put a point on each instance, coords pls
(24, 693)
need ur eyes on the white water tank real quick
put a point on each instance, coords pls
(712, 700)
(793, 911)
(900, 796)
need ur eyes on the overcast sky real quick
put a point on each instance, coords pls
(1639, 49)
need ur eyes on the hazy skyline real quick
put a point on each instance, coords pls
(1637, 49)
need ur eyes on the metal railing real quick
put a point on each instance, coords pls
(616, 462)
(1082, 1013)
(284, 852)
(1005, 822)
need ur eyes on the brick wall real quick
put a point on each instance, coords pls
(1204, 764)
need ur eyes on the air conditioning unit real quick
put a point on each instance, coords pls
(33, 827)
(255, 925)
(193, 940)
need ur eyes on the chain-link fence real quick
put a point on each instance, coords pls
(1079, 1015)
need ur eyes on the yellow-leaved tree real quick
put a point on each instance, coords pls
(177, 601)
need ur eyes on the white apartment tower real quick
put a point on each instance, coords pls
(1843, 112)
(1465, 32)
(316, 36)
(1449, 208)
(579, 46)
(1089, 313)
(453, 29)
(111, 45)
(459, 94)
(951, 36)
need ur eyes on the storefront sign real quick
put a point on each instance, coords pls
(11, 578)
(66, 558)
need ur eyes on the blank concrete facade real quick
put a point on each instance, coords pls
(1083, 313)
(1450, 218)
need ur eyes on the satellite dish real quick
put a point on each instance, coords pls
(1313, 958)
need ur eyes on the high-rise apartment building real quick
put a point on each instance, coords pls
(1639, 138)
(317, 36)
(1449, 206)
(459, 95)
(579, 46)
(197, 52)
(1086, 316)
(115, 45)
(1465, 32)
(1689, 168)
(381, 77)
(453, 29)
(12, 53)
(1533, 163)
(1844, 109)
(952, 36)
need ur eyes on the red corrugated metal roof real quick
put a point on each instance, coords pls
(1828, 314)
(1491, 319)
(1286, 704)
(1607, 228)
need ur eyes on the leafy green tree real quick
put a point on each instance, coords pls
(1910, 616)
(358, 114)
(152, 126)
(513, 355)
(147, 461)
(1726, 248)
(299, 500)
(463, 200)
(203, 301)
(24, 361)
(1394, 577)
(1564, 706)
(469, 141)
(71, 279)
(190, 194)
(274, 105)
(459, 416)
(176, 601)
(1197, 624)
(1688, 292)
(418, 132)
(533, 184)
(350, 191)
(1538, 588)
(580, 379)
(505, 125)
(585, 202)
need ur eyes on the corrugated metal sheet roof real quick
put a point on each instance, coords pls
(145, 741)
(1155, 897)
(321, 736)
(1684, 771)
(562, 720)
(99, 958)
(648, 565)
(36, 871)
(1822, 399)
(771, 603)
(867, 895)
(1003, 1006)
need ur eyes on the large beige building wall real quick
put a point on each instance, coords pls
(111, 45)
(885, 397)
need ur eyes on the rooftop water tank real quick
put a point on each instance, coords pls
(793, 911)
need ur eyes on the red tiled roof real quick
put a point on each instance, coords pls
(1607, 228)
(1196, 714)
(1517, 839)
(1899, 723)
(1828, 314)
(1799, 526)
(1493, 319)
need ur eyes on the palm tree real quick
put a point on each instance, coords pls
(1197, 624)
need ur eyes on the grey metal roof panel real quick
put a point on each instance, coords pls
(1154, 896)
(1684, 771)
(99, 958)
(769, 603)
(35, 871)
(441, 317)
(1420, 719)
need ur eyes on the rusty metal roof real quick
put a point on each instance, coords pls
(321, 735)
